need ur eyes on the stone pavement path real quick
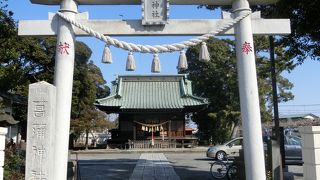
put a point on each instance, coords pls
(121, 166)
(153, 166)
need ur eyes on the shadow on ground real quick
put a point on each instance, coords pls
(116, 169)
(103, 169)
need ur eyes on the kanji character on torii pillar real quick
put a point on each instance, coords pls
(243, 30)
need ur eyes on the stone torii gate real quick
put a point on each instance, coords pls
(243, 31)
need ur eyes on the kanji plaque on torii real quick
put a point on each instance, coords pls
(68, 23)
(155, 12)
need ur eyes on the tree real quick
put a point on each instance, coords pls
(26, 60)
(23, 60)
(217, 81)
(304, 40)
(88, 85)
(90, 120)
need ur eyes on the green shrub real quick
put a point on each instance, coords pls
(14, 164)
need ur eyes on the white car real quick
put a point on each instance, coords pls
(292, 147)
(230, 148)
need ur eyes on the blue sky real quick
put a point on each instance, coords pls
(305, 77)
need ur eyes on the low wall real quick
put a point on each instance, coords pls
(3, 132)
(311, 152)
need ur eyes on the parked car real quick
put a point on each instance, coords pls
(293, 150)
(292, 146)
(230, 148)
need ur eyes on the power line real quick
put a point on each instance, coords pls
(301, 105)
(299, 109)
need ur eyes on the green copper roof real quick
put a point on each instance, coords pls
(151, 92)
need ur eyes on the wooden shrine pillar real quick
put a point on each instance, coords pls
(169, 130)
(134, 131)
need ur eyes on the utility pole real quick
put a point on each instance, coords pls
(277, 158)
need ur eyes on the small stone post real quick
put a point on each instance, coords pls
(3, 132)
(311, 152)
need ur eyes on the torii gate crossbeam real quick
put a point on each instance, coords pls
(134, 28)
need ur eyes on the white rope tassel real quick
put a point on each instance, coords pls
(182, 64)
(107, 56)
(131, 65)
(204, 55)
(156, 68)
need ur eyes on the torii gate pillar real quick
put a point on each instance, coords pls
(249, 97)
(63, 80)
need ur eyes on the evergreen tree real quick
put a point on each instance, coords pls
(217, 81)
(26, 60)
(304, 40)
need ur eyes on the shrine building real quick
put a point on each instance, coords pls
(152, 110)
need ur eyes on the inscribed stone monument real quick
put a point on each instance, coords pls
(40, 131)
